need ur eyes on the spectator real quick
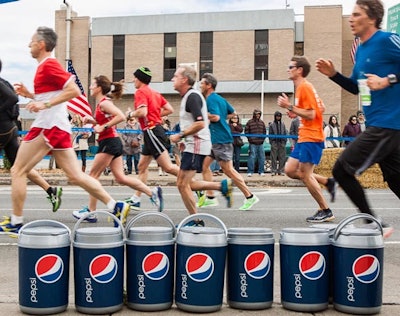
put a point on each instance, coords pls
(132, 144)
(176, 150)
(80, 139)
(351, 129)
(256, 126)
(294, 131)
(278, 144)
(361, 120)
(332, 129)
(166, 125)
(236, 128)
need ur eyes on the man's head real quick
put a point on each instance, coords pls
(277, 116)
(374, 10)
(208, 83)
(299, 66)
(143, 74)
(256, 114)
(184, 78)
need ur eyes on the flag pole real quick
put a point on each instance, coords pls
(68, 34)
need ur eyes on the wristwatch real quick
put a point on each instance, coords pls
(106, 126)
(290, 108)
(392, 78)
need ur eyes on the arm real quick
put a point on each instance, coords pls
(327, 68)
(7, 95)
(108, 106)
(167, 109)
(284, 102)
(69, 92)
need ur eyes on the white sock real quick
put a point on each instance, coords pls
(135, 198)
(15, 220)
(111, 204)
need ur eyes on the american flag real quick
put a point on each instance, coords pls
(80, 104)
(354, 46)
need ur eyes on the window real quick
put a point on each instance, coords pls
(206, 52)
(299, 48)
(118, 57)
(261, 54)
(169, 55)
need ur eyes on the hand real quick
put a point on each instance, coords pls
(283, 101)
(35, 106)
(21, 90)
(325, 66)
(175, 138)
(88, 119)
(375, 82)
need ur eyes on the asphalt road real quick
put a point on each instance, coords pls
(278, 208)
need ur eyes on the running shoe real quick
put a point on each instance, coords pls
(6, 220)
(387, 228)
(332, 187)
(121, 211)
(248, 203)
(321, 216)
(55, 198)
(7, 227)
(209, 202)
(135, 205)
(226, 190)
(92, 218)
(157, 198)
(201, 197)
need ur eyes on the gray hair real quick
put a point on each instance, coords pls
(189, 73)
(46, 34)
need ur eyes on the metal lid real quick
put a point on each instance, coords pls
(150, 234)
(304, 236)
(45, 231)
(201, 236)
(251, 235)
(44, 237)
(98, 235)
(359, 237)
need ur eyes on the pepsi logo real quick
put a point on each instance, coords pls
(49, 268)
(257, 264)
(155, 265)
(312, 265)
(103, 268)
(366, 268)
(199, 267)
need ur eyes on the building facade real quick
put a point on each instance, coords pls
(248, 51)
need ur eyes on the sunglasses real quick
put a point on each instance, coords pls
(291, 67)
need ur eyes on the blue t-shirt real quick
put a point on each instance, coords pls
(380, 55)
(220, 131)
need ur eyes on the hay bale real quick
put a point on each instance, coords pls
(370, 179)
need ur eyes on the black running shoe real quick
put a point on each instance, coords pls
(321, 216)
(332, 187)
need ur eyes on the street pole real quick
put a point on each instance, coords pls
(68, 34)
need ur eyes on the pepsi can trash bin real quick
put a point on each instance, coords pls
(150, 257)
(200, 265)
(43, 262)
(330, 228)
(98, 267)
(250, 268)
(358, 267)
(304, 264)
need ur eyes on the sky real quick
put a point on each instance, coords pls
(19, 20)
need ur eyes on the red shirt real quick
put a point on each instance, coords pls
(145, 96)
(50, 76)
(103, 118)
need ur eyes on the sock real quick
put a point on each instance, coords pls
(135, 198)
(15, 220)
(210, 197)
(49, 191)
(111, 204)
(249, 197)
